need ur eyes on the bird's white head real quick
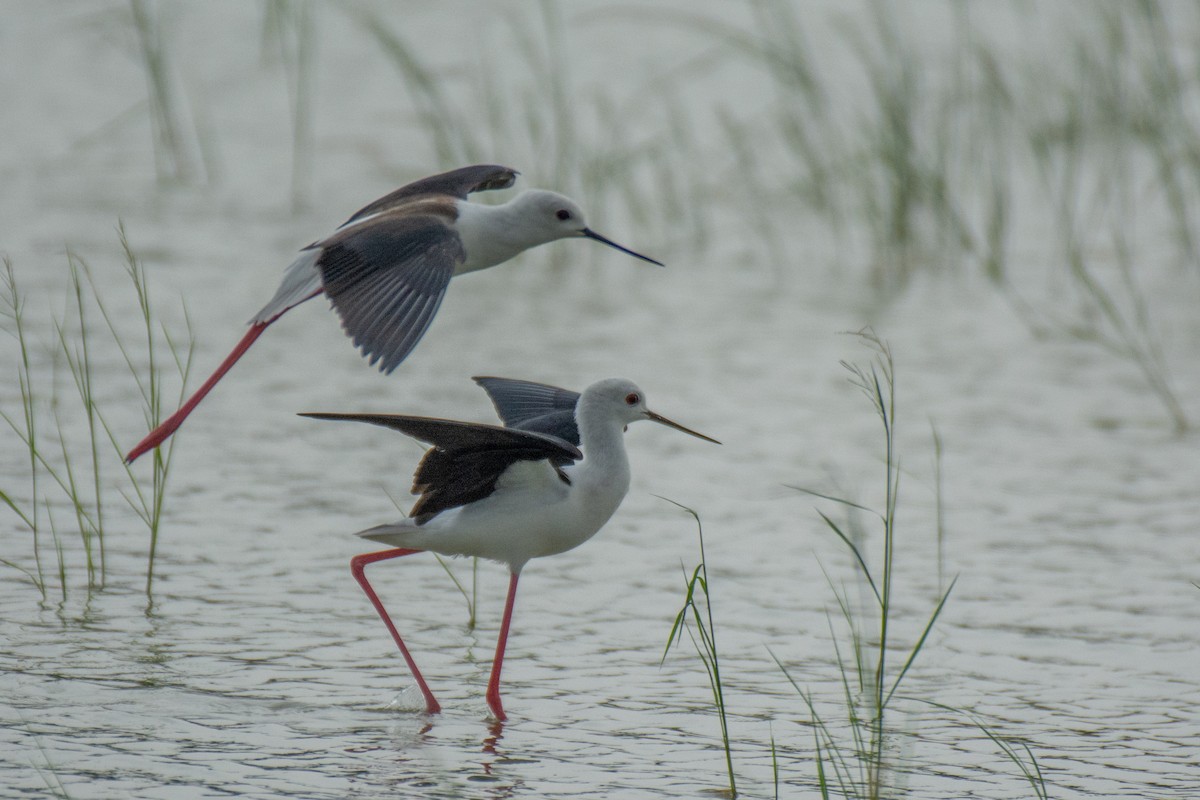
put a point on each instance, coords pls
(621, 400)
(552, 215)
(548, 216)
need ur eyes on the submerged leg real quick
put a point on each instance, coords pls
(358, 566)
(493, 691)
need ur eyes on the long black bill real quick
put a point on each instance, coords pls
(650, 415)
(591, 234)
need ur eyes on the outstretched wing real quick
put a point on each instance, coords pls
(386, 280)
(531, 406)
(466, 459)
(457, 183)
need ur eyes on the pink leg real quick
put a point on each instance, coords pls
(171, 424)
(358, 566)
(493, 691)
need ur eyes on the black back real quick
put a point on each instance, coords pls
(466, 459)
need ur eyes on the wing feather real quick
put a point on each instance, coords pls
(466, 459)
(456, 183)
(386, 280)
(534, 406)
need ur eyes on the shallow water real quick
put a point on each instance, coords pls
(259, 669)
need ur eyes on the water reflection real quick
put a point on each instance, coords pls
(495, 734)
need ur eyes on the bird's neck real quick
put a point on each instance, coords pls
(605, 466)
(492, 234)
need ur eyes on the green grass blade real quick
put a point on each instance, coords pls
(858, 556)
(921, 641)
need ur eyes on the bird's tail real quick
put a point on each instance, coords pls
(396, 534)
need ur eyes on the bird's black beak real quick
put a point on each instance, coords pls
(650, 415)
(591, 234)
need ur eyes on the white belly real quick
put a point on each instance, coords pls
(531, 514)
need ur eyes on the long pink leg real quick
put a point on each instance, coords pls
(171, 424)
(358, 566)
(493, 690)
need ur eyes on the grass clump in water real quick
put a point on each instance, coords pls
(937, 159)
(870, 680)
(852, 757)
(68, 443)
(860, 768)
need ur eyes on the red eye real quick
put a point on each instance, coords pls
(563, 214)
(632, 399)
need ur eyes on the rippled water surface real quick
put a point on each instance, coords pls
(258, 669)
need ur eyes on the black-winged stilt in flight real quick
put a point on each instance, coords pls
(387, 268)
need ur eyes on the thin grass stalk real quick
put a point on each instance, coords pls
(138, 277)
(558, 79)
(91, 525)
(89, 401)
(706, 647)
(711, 646)
(152, 393)
(939, 509)
(774, 766)
(148, 506)
(822, 782)
(470, 597)
(304, 71)
(291, 26)
(1129, 339)
(1143, 346)
(170, 159)
(65, 478)
(15, 310)
(58, 551)
(49, 774)
(850, 700)
(451, 139)
(1028, 764)
(829, 751)
(803, 122)
(50, 778)
(1168, 89)
(878, 383)
(856, 638)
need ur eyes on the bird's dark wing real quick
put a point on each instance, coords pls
(457, 183)
(533, 406)
(466, 459)
(386, 279)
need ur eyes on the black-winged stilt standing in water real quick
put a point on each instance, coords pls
(387, 268)
(541, 486)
